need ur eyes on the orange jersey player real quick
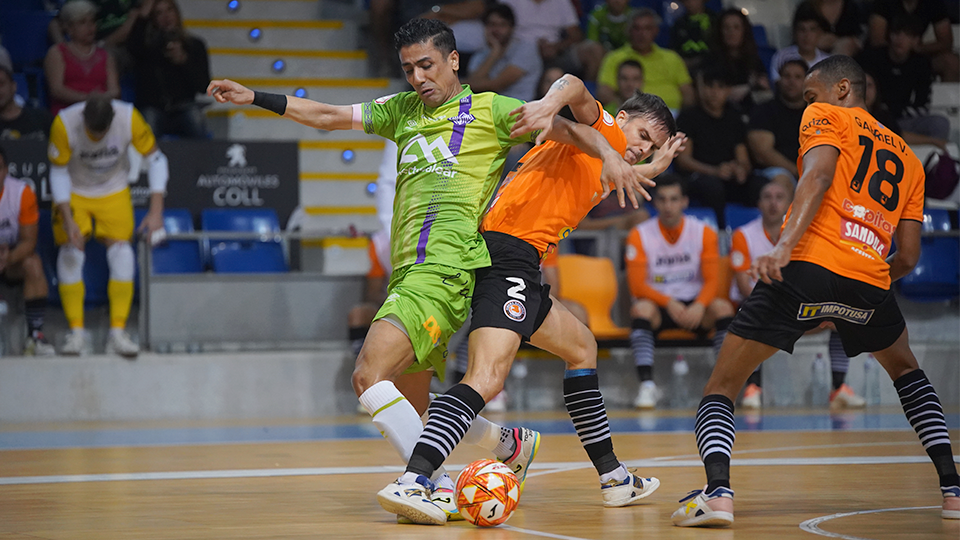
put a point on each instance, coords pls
(860, 185)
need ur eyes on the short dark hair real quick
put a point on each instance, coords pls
(630, 63)
(503, 10)
(98, 113)
(907, 24)
(652, 108)
(423, 31)
(714, 74)
(807, 12)
(671, 179)
(794, 62)
(838, 66)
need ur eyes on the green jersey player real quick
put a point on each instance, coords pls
(452, 144)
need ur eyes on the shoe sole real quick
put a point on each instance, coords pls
(713, 519)
(644, 494)
(396, 506)
(533, 455)
(950, 514)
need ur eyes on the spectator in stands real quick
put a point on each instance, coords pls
(89, 169)
(608, 24)
(881, 112)
(19, 122)
(665, 74)
(692, 33)
(5, 59)
(553, 25)
(629, 80)
(19, 261)
(114, 20)
(672, 270)
(508, 64)
(735, 50)
(757, 238)
(716, 159)
(904, 79)
(944, 60)
(171, 68)
(843, 33)
(773, 127)
(78, 68)
(808, 27)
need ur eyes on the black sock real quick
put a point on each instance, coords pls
(755, 378)
(838, 378)
(449, 418)
(645, 373)
(35, 309)
(581, 395)
(641, 343)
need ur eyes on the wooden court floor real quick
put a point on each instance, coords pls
(867, 484)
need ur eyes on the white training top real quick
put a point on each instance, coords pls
(674, 269)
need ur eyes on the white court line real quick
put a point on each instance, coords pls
(811, 525)
(540, 533)
(326, 471)
(788, 448)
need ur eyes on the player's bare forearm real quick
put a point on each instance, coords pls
(156, 202)
(819, 167)
(570, 90)
(587, 139)
(319, 115)
(903, 261)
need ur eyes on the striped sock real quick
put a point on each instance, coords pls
(450, 417)
(715, 435)
(924, 412)
(641, 342)
(839, 361)
(581, 395)
(721, 333)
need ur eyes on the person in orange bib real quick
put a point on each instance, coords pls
(860, 185)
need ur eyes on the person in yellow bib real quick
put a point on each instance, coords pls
(89, 181)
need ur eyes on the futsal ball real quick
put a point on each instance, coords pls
(487, 493)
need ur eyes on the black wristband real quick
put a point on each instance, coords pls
(271, 102)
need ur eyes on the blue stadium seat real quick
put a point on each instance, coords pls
(760, 35)
(47, 250)
(25, 36)
(175, 256)
(739, 215)
(23, 87)
(937, 274)
(233, 256)
(766, 56)
(95, 270)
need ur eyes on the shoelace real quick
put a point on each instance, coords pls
(691, 495)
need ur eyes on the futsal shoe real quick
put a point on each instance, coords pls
(951, 503)
(528, 444)
(647, 396)
(706, 509)
(751, 397)
(75, 344)
(630, 490)
(120, 343)
(845, 398)
(409, 497)
(443, 496)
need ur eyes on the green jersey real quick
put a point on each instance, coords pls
(448, 164)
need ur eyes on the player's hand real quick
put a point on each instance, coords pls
(740, 173)
(73, 233)
(151, 223)
(227, 91)
(625, 180)
(767, 267)
(663, 157)
(533, 116)
(676, 310)
(693, 316)
(725, 170)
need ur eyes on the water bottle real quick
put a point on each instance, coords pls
(871, 380)
(681, 389)
(818, 382)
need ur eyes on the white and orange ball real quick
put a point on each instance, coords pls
(487, 493)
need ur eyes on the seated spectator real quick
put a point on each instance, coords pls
(16, 121)
(882, 114)
(943, 59)
(78, 68)
(904, 79)
(19, 261)
(553, 25)
(843, 32)
(114, 19)
(672, 270)
(716, 159)
(757, 238)
(608, 23)
(692, 33)
(171, 68)
(735, 50)
(808, 27)
(508, 64)
(774, 125)
(665, 74)
(629, 80)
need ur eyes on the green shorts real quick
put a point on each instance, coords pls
(431, 301)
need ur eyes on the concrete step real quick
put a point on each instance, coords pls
(333, 156)
(247, 62)
(293, 10)
(273, 34)
(336, 192)
(319, 218)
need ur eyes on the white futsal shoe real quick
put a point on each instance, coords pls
(528, 444)
(706, 509)
(647, 396)
(410, 497)
(120, 343)
(951, 503)
(630, 490)
(75, 344)
(443, 496)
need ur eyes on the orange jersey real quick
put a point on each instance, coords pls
(878, 182)
(552, 189)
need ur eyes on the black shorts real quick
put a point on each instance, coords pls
(508, 293)
(868, 318)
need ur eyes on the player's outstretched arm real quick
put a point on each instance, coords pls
(304, 111)
(540, 114)
(819, 167)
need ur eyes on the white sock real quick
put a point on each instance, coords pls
(396, 419)
(619, 474)
(116, 331)
(487, 435)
